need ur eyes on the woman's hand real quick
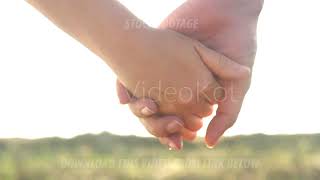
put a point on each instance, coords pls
(229, 27)
(161, 64)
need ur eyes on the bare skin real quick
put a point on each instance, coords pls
(177, 78)
(228, 26)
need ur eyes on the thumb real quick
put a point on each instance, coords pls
(217, 127)
(226, 115)
(123, 93)
(222, 66)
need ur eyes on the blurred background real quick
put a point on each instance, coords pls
(51, 86)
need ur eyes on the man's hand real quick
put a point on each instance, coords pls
(229, 27)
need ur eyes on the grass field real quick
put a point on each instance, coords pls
(106, 156)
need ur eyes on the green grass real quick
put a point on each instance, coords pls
(106, 156)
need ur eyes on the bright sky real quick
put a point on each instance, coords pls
(50, 85)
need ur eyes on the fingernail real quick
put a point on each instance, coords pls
(172, 146)
(124, 96)
(177, 140)
(173, 127)
(209, 146)
(146, 111)
(245, 69)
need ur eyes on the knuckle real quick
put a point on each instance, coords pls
(204, 110)
(150, 126)
(153, 131)
(190, 138)
(213, 93)
(229, 123)
(135, 110)
(156, 131)
(195, 127)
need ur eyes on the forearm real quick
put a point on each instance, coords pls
(97, 24)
